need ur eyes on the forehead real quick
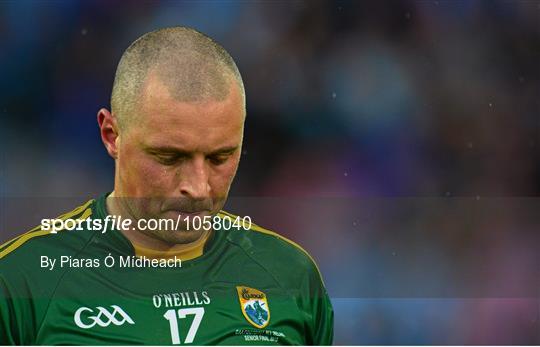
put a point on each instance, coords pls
(198, 124)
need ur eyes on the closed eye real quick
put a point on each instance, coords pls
(168, 159)
(218, 159)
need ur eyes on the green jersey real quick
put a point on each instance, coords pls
(249, 286)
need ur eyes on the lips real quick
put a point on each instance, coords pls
(196, 213)
(189, 213)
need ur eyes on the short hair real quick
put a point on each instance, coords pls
(190, 64)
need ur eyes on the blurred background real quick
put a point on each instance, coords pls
(398, 141)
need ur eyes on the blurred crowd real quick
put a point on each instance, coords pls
(398, 141)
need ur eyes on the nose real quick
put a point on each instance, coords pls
(195, 179)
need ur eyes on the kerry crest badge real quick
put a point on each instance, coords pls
(254, 306)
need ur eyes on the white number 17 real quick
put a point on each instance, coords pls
(170, 315)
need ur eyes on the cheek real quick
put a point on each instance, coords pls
(142, 176)
(222, 177)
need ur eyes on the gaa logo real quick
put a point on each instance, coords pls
(103, 318)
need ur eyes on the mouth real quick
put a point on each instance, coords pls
(190, 214)
(198, 213)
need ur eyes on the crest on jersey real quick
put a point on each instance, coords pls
(254, 306)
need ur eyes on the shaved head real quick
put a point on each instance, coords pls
(192, 66)
(175, 133)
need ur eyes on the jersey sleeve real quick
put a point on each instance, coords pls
(16, 324)
(323, 318)
(6, 316)
(320, 309)
(324, 321)
(25, 292)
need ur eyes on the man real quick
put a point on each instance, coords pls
(175, 132)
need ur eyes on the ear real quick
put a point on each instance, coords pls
(108, 129)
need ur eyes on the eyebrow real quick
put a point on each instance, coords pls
(180, 151)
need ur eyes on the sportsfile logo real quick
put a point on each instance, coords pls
(103, 318)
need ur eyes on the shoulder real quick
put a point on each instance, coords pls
(25, 248)
(276, 253)
(26, 286)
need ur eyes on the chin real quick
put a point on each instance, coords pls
(181, 236)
